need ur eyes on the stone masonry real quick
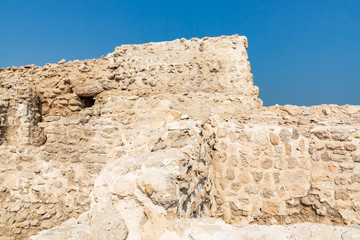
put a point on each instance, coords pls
(169, 140)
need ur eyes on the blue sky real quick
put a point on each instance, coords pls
(301, 52)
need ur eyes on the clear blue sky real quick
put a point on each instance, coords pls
(301, 52)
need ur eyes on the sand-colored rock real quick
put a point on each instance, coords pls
(107, 223)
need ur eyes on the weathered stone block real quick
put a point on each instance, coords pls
(270, 207)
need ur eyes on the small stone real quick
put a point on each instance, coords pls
(274, 139)
(301, 146)
(63, 102)
(180, 99)
(74, 108)
(342, 194)
(319, 145)
(83, 68)
(221, 132)
(257, 176)
(350, 147)
(356, 158)
(285, 135)
(340, 135)
(292, 163)
(230, 174)
(295, 134)
(73, 102)
(267, 164)
(322, 134)
(315, 156)
(61, 61)
(261, 138)
(47, 224)
(16, 208)
(57, 184)
(34, 222)
(113, 64)
(299, 190)
(267, 193)
(40, 211)
(287, 149)
(46, 216)
(325, 157)
(184, 117)
(148, 189)
(270, 207)
(308, 200)
(244, 176)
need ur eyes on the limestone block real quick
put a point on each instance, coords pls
(261, 138)
(244, 176)
(299, 189)
(274, 139)
(270, 207)
(267, 164)
(322, 134)
(350, 147)
(285, 135)
(340, 135)
(88, 90)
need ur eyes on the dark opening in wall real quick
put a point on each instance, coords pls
(87, 101)
(2, 133)
(3, 124)
(39, 105)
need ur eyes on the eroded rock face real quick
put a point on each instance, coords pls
(130, 145)
(204, 229)
(107, 223)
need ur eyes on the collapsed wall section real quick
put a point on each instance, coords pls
(20, 112)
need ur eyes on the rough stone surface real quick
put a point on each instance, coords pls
(107, 223)
(170, 141)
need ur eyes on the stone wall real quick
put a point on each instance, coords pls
(163, 131)
(288, 169)
(20, 113)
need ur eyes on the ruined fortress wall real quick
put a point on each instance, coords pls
(161, 131)
(283, 169)
(61, 122)
(209, 65)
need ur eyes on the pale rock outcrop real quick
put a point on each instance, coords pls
(107, 223)
(210, 229)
